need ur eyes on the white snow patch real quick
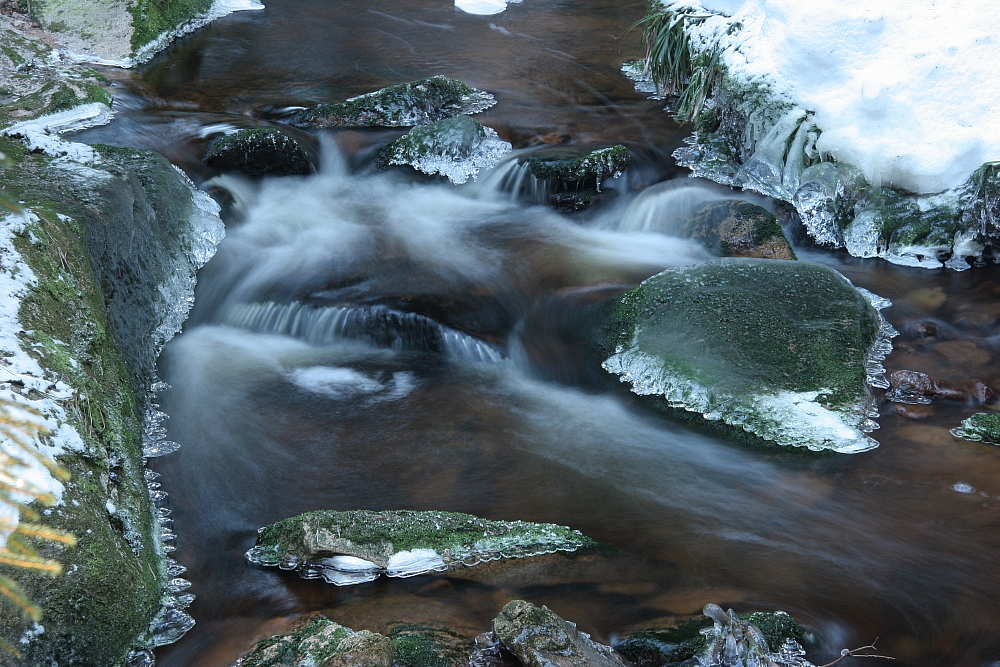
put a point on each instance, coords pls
(21, 374)
(962, 487)
(218, 9)
(904, 91)
(483, 7)
(42, 134)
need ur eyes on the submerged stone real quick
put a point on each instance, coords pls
(458, 148)
(540, 638)
(780, 350)
(414, 103)
(357, 546)
(259, 152)
(317, 641)
(423, 645)
(980, 427)
(734, 228)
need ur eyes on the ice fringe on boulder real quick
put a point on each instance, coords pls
(734, 642)
(771, 124)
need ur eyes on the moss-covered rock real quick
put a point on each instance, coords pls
(356, 546)
(458, 148)
(423, 645)
(414, 103)
(540, 638)
(980, 427)
(736, 641)
(777, 349)
(34, 82)
(317, 641)
(734, 228)
(259, 152)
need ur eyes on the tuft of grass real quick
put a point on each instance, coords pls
(672, 63)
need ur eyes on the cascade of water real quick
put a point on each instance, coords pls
(382, 326)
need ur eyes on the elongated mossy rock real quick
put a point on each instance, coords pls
(734, 228)
(259, 152)
(458, 148)
(781, 350)
(317, 641)
(414, 103)
(356, 546)
(428, 645)
(980, 427)
(541, 638)
(578, 166)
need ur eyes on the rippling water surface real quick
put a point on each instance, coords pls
(491, 401)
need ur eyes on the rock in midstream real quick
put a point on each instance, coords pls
(768, 351)
(980, 427)
(406, 104)
(735, 228)
(357, 546)
(317, 641)
(458, 148)
(259, 152)
(540, 638)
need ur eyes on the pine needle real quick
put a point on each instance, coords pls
(15, 596)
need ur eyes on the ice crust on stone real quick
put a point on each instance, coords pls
(733, 642)
(781, 416)
(457, 148)
(345, 548)
(42, 134)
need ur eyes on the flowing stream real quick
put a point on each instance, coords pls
(383, 341)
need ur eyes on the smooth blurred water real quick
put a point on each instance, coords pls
(288, 414)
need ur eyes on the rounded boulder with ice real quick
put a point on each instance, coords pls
(772, 351)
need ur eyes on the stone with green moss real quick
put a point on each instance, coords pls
(356, 546)
(259, 152)
(581, 166)
(414, 103)
(736, 228)
(980, 427)
(541, 638)
(458, 148)
(425, 645)
(108, 601)
(317, 641)
(778, 350)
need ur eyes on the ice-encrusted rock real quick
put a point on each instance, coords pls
(734, 228)
(259, 152)
(458, 148)
(577, 166)
(414, 103)
(781, 350)
(357, 546)
(703, 640)
(540, 638)
(735, 641)
(316, 641)
(980, 427)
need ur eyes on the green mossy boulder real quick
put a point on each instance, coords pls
(259, 152)
(406, 104)
(572, 174)
(980, 427)
(316, 641)
(736, 228)
(458, 148)
(356, 546)
(423, 645)
(776, 350)
(540, 638)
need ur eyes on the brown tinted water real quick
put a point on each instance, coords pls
(874, 545)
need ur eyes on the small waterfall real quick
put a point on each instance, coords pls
(513, 180)
(382, 326)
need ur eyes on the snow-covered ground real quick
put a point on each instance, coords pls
(906, 91)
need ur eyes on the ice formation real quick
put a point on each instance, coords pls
(877, 124)
(353, 547)
(483, 7)
(734, 642)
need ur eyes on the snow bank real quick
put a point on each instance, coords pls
(906, 92)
